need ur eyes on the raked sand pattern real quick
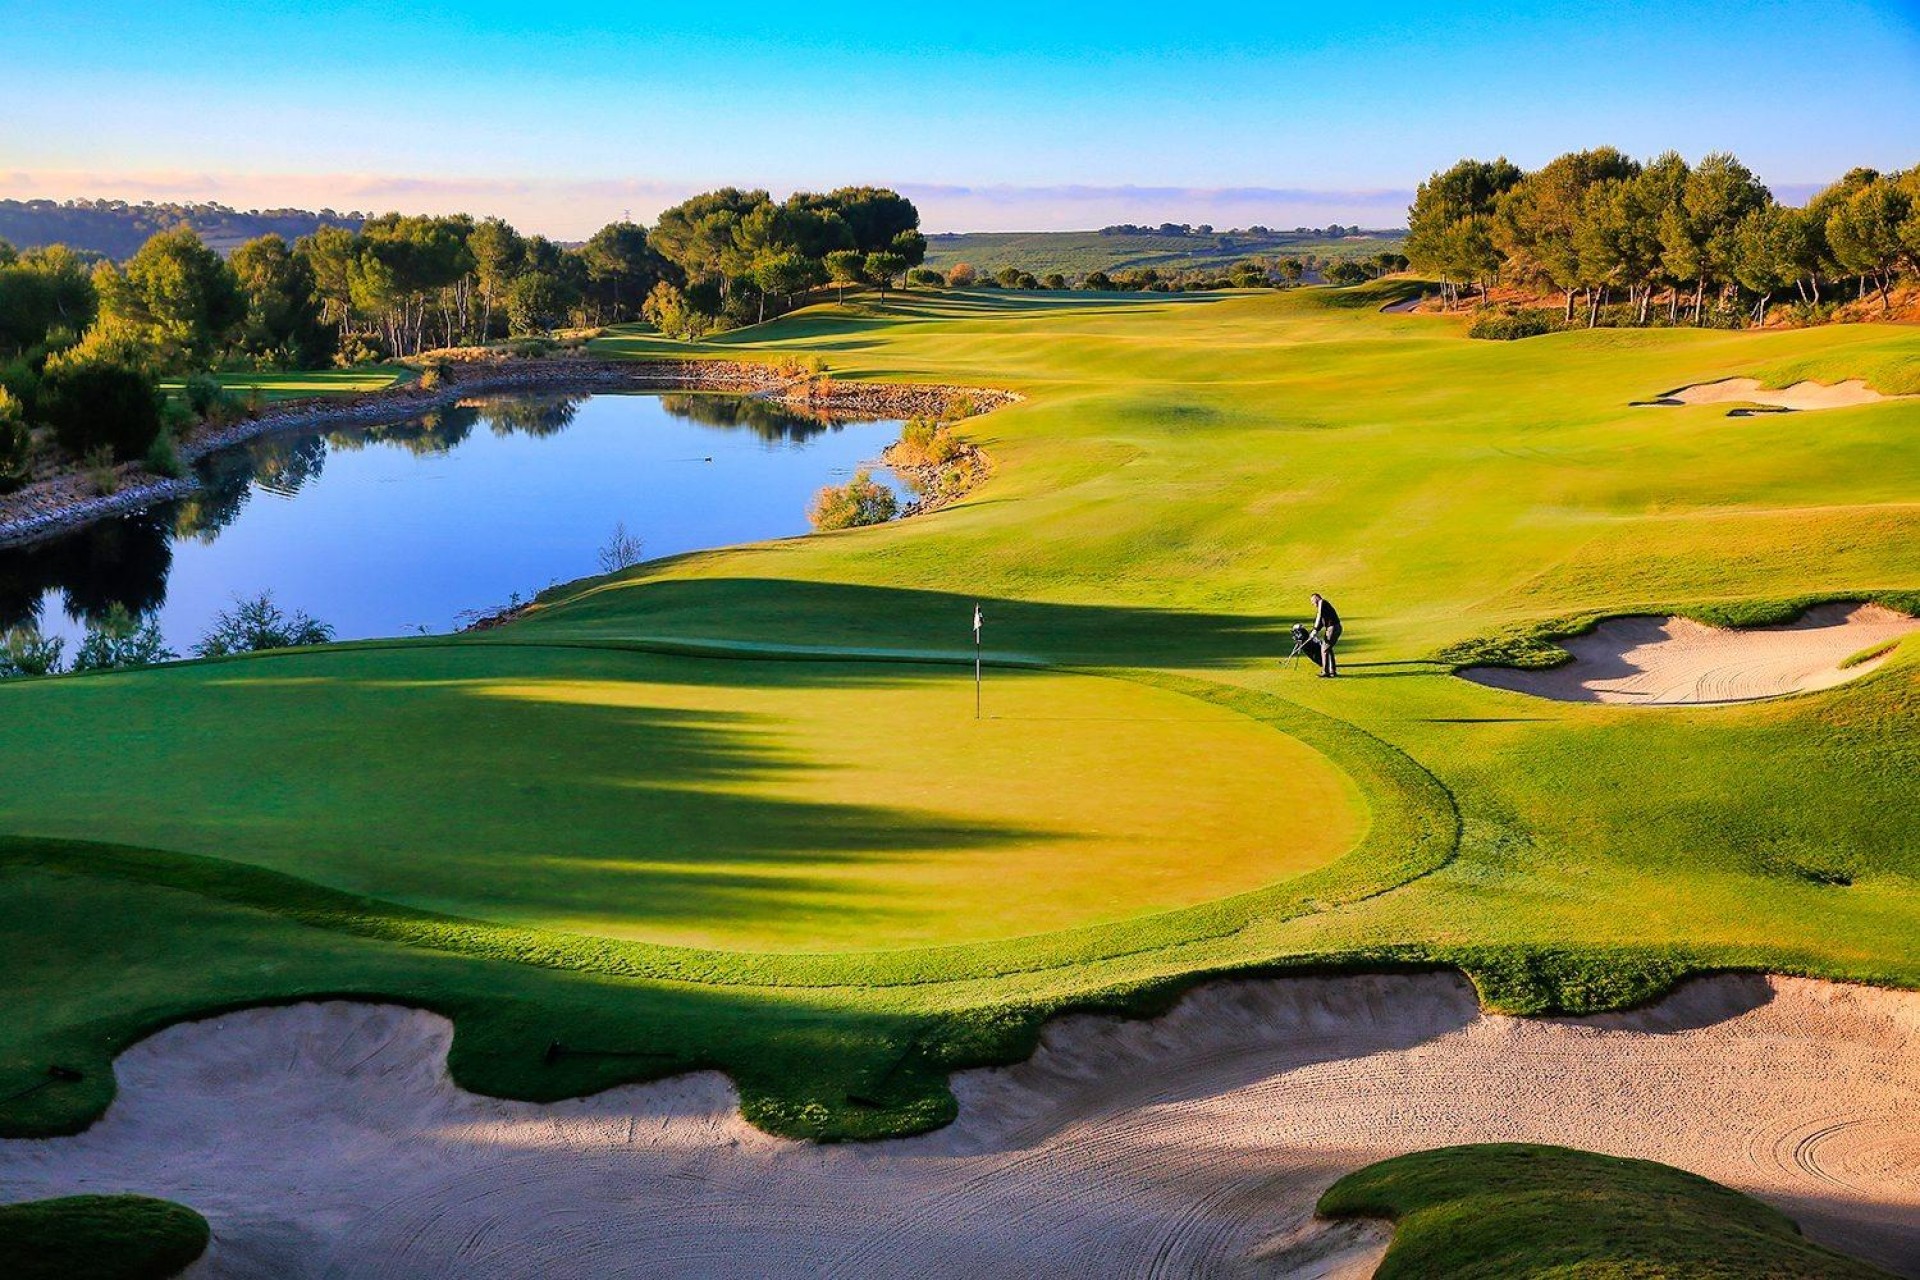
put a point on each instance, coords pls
(325, 1140)
(1650, 661)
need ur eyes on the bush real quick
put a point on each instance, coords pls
(256, 624)
(1342, 274)
(925, 443)
(93, 405)
(860, 501)
(1097, 280)
(202, 392)
(926, 278)
(121, 640)
(25, 652)
(163, 459)
(16, 443)
(361, 348)
(962, 275)
(1506, 324)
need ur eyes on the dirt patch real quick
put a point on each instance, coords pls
(1799, 396)
(1649, 661)
(327, 1140)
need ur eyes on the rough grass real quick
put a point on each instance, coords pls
(1182, 473)
(99, 1238)
(1510, 1211)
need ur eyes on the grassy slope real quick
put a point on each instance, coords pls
(317, 382)
(1511, 1211)
(99, 1238)
(1183, 473)
(1078, 252)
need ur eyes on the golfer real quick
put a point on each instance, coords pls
(1326, 624)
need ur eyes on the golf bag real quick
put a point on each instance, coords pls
(1306, 644)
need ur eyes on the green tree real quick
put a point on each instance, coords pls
(621, 267)
(876, 216)
(498, 255)
(881, 270)
(846, 267)
(283, 323)
(667, 309)
(43, 293)
(1536, 222)
(1449, 223)
(1865, 233)
(181, 299)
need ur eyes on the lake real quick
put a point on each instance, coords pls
(405, 529)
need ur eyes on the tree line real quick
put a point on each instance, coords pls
(84, 340)
(1708, 240)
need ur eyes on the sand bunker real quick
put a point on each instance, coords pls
(325, 1140)
(1672, 661)
(1801, 395)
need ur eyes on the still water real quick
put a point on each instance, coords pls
(401, 529)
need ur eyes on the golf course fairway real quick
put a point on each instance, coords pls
(731, 809)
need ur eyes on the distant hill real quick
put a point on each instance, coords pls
(1078, 252)
(118, 229)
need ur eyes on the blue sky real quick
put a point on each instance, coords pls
(993, 116)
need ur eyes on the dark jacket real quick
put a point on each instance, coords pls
(1328, 617)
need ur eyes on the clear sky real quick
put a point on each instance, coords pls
(993, 115)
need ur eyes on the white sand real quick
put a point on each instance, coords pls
(325, 1140)
(1671, 661)
(1801, 395)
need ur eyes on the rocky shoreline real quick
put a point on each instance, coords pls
(59, 503)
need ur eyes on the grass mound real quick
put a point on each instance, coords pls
(99, 1238)
(1508, 1211)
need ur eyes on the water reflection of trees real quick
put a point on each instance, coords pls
(770, 421)
(125, 561)
(535, 416)
(121, 562)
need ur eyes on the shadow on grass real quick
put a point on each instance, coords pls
(933, 625)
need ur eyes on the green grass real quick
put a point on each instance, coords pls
(1511, 1211)
(1078, 252)
(731, 810)
(99, 1238)
(318, 382)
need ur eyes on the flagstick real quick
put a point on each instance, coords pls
(976, 662)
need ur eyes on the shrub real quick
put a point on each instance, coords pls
(962, 275)
(1342, 274)
(623, 550)
(97, 405)
(256, 624)
(860, 501)
(1007, 277)
(202, 392)
(120, 640)
(361, 348)
(16, 443)
(926, 278)
(925, 443)
(1505, 325)
(26, 652)
(1054, 280)
(163, 459)
(1097, 280)
(101, 477)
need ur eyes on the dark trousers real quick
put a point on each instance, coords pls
(1329, 638)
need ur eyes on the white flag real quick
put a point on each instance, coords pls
(976, 622)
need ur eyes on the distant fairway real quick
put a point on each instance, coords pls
(776, 805)
(824, 879)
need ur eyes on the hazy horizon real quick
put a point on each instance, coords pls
(999, 118)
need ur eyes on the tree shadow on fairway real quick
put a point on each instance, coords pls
(577, 789)
(933, 625)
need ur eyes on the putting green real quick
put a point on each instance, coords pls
(744, 805)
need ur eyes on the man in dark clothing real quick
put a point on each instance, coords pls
(1326, 624)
